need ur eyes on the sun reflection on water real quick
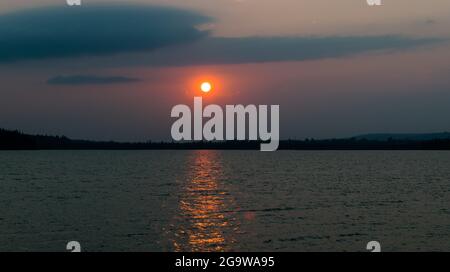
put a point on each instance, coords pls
(205, 219)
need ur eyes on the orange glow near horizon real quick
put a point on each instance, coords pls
(206, 84)
(221, 83)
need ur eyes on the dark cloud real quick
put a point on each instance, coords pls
(260, 49)
(92, 30)
(89, 80)
(98, 30)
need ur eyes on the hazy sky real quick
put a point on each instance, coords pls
(337, 68)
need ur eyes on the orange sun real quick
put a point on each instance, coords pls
(206, 87)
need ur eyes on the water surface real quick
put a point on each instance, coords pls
(224, 200)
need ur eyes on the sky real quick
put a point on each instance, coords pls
(114, 70)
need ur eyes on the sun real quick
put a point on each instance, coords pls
(206, 87)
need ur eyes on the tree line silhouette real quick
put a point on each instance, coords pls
(16, 140)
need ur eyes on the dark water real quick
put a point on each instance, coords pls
(224, 200)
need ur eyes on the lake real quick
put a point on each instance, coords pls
(224, 200)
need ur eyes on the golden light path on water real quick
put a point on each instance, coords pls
(206, 220)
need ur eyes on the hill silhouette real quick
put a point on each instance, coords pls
(16, 140)
(405, 136)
